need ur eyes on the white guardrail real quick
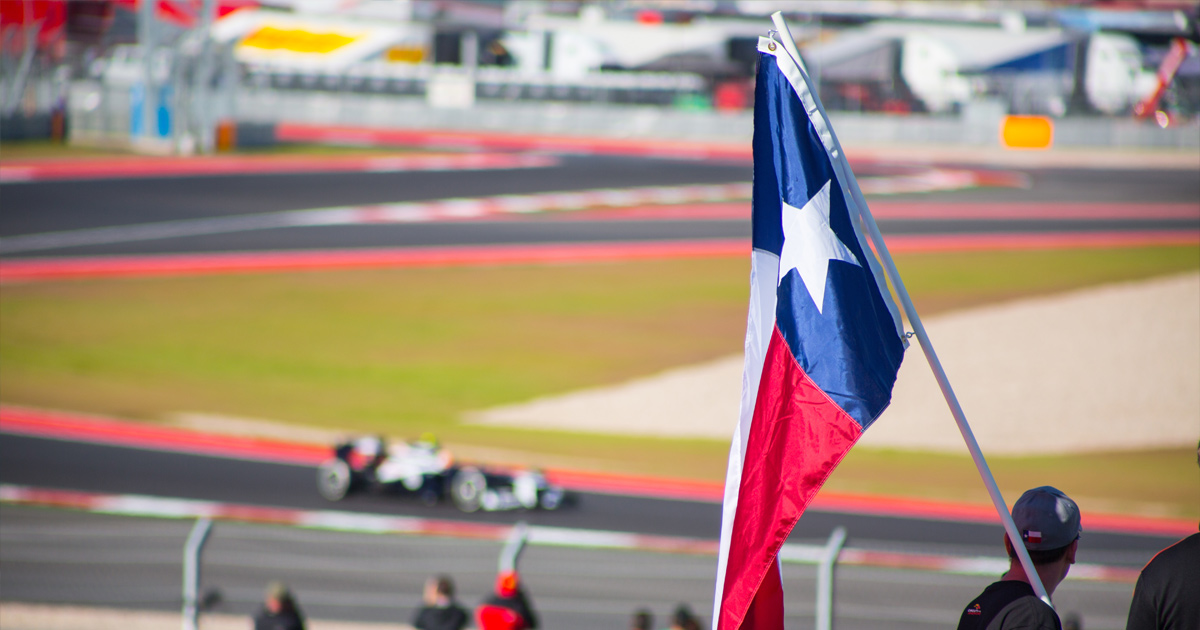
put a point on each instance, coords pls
(167, 507)
(99, 113)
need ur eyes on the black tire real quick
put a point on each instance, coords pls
(429, 495)
(551, 499)
(467, 489)
(333, 479)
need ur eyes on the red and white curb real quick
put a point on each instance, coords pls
(166, 507)
(14, 173)
(80, 267)
(51, 269)
(926, 210)
(932, 179)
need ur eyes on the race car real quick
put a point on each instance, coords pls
(424, 469)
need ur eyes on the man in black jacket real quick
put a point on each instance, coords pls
(1167, 595)
(440, 611)
(1048, 522)
(279, 611)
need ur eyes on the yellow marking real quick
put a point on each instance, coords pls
(1027, 132)
(296, 40)
(406, 54)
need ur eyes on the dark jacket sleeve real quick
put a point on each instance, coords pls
(526, 610)
(1142, 611)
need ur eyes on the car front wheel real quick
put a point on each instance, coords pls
(467, 489)
(333, 479)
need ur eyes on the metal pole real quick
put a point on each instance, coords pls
(469, 51)
(149, 93)
(847, 176)
(17, 89)
(228, 85)
(512, 549)
(203, 126)
(191, 572)
(825, 578)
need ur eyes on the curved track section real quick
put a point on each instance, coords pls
(597, 196)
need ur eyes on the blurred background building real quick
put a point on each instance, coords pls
(198, 75)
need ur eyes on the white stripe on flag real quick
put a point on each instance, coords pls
(760, 323)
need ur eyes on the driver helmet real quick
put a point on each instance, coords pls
(429, 440)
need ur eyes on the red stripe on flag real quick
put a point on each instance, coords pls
(766, 610)
(797, 438)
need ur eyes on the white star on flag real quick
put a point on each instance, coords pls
(809, 244)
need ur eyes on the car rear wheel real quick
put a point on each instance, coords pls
(333, 479)
(551, 499)
(467, 489)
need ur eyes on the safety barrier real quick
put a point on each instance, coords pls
(98, 113)
(167, 507)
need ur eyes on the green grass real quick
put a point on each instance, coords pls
(38, 149)
(393, 350)
(1163, 482)
(940, 281)
(408, 350)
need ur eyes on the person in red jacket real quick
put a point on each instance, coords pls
(508, 608)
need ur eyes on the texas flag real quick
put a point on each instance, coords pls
(824, 341)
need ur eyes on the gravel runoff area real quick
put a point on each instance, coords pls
(1110, 368)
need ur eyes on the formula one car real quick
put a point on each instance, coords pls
(426, 470)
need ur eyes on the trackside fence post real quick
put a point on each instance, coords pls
(513, 547)
(191, 572)
(825, 578)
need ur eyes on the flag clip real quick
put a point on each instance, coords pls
(771, 35)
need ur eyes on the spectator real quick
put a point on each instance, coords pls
(279, 611)
(508, 608)
(1048, 522)
(1167, 594)
(440, 611)
(642, 620)
(683, 619)
(496, 54)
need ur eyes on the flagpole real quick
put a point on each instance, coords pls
(843, 167)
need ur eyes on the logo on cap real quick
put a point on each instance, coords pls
(1032, 536)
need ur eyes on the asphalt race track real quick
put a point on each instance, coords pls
(62, 206)
(37, 568)
(119, 470)
(61, 556)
